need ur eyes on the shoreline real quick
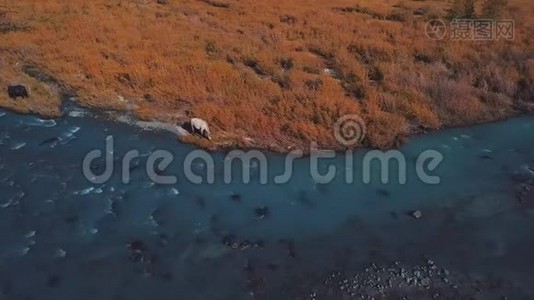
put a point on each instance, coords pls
(67, 98)
(69, 105)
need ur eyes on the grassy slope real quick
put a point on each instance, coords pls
(255, 69)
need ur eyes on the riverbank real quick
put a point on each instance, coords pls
(279, 79)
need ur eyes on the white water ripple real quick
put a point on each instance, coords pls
(34, 121)
(18, 146)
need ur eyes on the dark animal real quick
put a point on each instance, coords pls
(16, 91)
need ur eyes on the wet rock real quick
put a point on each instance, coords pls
(167, 276)
(304, 200)
(231, 241)
(200, 202)
(49, 141)
(215, 224)
(519, 177)
(138, 251)
(383, 192)
(60, 253)
(525, 194)
(262, 212)
(397, 281)
(163, 240)
(53, 281)
(116, 207)
(159, 216)
(245, 244)
(485, 157)
(134, 165)
(235, 197)
(416, 214)
(259, 243)
(253, 280)
(524, 188)
(71, 219)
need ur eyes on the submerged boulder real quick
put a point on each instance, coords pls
(416, 214)
(262, 212)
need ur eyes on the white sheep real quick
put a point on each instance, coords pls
(199, 126)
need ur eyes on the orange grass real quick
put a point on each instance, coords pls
(255, 70)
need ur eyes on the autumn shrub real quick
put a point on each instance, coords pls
(469, 11)
(287, 63)
(494, 9)
(218, 4)
(462, 9)
(384, 129)
(456, 98)
(269, 73)
(525, 90)
(399, 15)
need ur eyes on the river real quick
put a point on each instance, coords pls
(63, 237)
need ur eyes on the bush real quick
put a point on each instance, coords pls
(462, 9)
(398, 15)
(493, 9)
(217, 3)
(456, 10)
(211, 49)
(287, 63)
(288, 19)
(375, 74)
(469, 9)
(313, 85)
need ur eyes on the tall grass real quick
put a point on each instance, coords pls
(270, 73)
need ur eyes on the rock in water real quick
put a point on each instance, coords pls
(417, 214)
(60, 253)
(235, 197)
(262, 212)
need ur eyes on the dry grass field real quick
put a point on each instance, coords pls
(270, 74)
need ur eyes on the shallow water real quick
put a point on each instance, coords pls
(63, 237)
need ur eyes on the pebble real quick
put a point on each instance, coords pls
(60, 253)
(417, 214)
(397, 281)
